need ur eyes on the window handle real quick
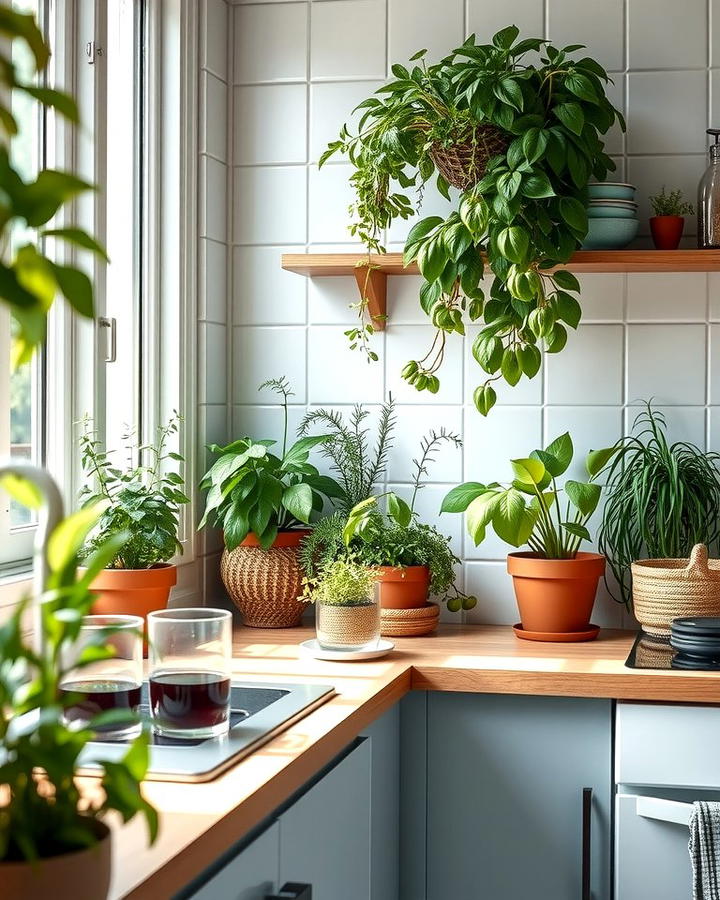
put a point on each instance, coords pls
(111, 325)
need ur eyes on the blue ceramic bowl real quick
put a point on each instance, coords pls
(600, 211)
(610, 234)
(611, 190)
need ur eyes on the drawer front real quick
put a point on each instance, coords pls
(651, 855)
(668, 745)
(252, 875)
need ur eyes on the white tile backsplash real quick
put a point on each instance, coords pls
(213, 281)
(299, 68)
(214, 130)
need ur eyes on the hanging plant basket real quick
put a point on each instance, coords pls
(464, 162)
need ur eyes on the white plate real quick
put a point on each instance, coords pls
(312, 648)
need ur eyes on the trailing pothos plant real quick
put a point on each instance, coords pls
(520, 141)
(251, 489)
(552, 525)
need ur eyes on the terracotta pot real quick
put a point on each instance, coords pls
(133, 591)
(666, 231)
(265, 584)
(403, 588)
(81, 875)
(555, 595)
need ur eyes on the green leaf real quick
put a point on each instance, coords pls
(509, 91)
(297, 500)
(484, 398)
(537, 187)
(510, 367)
(22, 490)
(421, 229)
(513, 243)
(509, 184)
(534, 143)
(459, 498)
(577, 530)
(571, 116)
(557, 339)
(399, 510)
(299, 451)
(505, 38)
(581, 86)
(77, 288)
(479, 513)
(568, 309)
(528, 471)
(432, 258)
(583, 495)
(488, 351)
(529, 358)
(69, 536)
(598, 459)
(509, 520)
(78, 237)
(62, 102)
(575, 214)
(565, 279)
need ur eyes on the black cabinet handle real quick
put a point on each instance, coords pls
(292, 890)
(587, 797)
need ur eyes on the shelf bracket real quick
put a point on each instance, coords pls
(372, 284)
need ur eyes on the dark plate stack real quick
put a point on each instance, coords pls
(697, 641)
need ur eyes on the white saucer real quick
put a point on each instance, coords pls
(312, 648)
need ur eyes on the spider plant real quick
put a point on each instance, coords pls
(662, 499)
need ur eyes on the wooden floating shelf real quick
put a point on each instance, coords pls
(374, 286)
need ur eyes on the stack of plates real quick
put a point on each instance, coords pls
(697, 641)
(409, 622)
(612, 216)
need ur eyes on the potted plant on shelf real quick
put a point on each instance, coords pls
(145, 500)
(555, 583)
(53, 836)
(264, 503)
(661, 500)
(667, 222)
(518, 141)
(347, 613)
(411, 559)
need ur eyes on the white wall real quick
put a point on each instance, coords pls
(296, 69)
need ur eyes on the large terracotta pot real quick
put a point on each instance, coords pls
(403, 588)
(265, 585)
(667, 231)
(555, 596)
(133, 591)
(81, 875)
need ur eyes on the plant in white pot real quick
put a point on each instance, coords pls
(143, 499)
(263, 503)
(555, 583)
(53, 840)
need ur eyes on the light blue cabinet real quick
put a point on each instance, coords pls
(252, 875)
(505, 796)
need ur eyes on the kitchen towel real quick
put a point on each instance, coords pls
(705, 850)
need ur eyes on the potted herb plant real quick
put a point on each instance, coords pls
(667, 222)
(518, 140)
(555, 583)
(347, 612)
(411, 559)
(662, 499)
(262, 501)
(145, 500)
(52, 838)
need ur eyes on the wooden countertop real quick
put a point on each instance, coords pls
(198, 822)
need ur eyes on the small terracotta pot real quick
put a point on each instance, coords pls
(403, 588)
(82, 874)
(133, 591)
(555, 595)
(666, 231)
(265, 585)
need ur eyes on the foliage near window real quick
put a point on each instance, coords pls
(520, 140)
(142, 499)
(30, 280)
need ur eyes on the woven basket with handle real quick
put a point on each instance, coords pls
(667, 589)
(462, 163)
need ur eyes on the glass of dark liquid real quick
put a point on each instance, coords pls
(190, 656)
(109, 686)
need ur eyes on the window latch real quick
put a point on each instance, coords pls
(111, 325)
(92, 51)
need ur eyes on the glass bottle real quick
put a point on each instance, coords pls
(709, 199)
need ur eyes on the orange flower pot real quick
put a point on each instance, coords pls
(403, 588)
(555, 595)
(133, 591)
(666, 231)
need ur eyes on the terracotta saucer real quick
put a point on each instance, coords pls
(565, 637)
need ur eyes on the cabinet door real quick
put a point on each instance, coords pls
(505, 796)
(384, 736)
(252, 875)
(325, 835)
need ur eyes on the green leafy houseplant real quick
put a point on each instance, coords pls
(552, 526)
(347, 614)
(341, 582)
(251, 489)
(29, 279)
(143, 499)
(43, 814)
(662, 499)
(670, 204)
(520, 142)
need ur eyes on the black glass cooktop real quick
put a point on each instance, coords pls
(652, 652)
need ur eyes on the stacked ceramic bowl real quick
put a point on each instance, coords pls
(612, 216)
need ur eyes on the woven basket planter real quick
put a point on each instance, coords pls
(463, 164)
(667, 589)
(265, 584)
(347, 626)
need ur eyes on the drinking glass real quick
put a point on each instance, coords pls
(105, 684)
(190, 654)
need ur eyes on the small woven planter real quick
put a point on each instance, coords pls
(347, 626)
(667, 589)
(265, 585)
(463, 164)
